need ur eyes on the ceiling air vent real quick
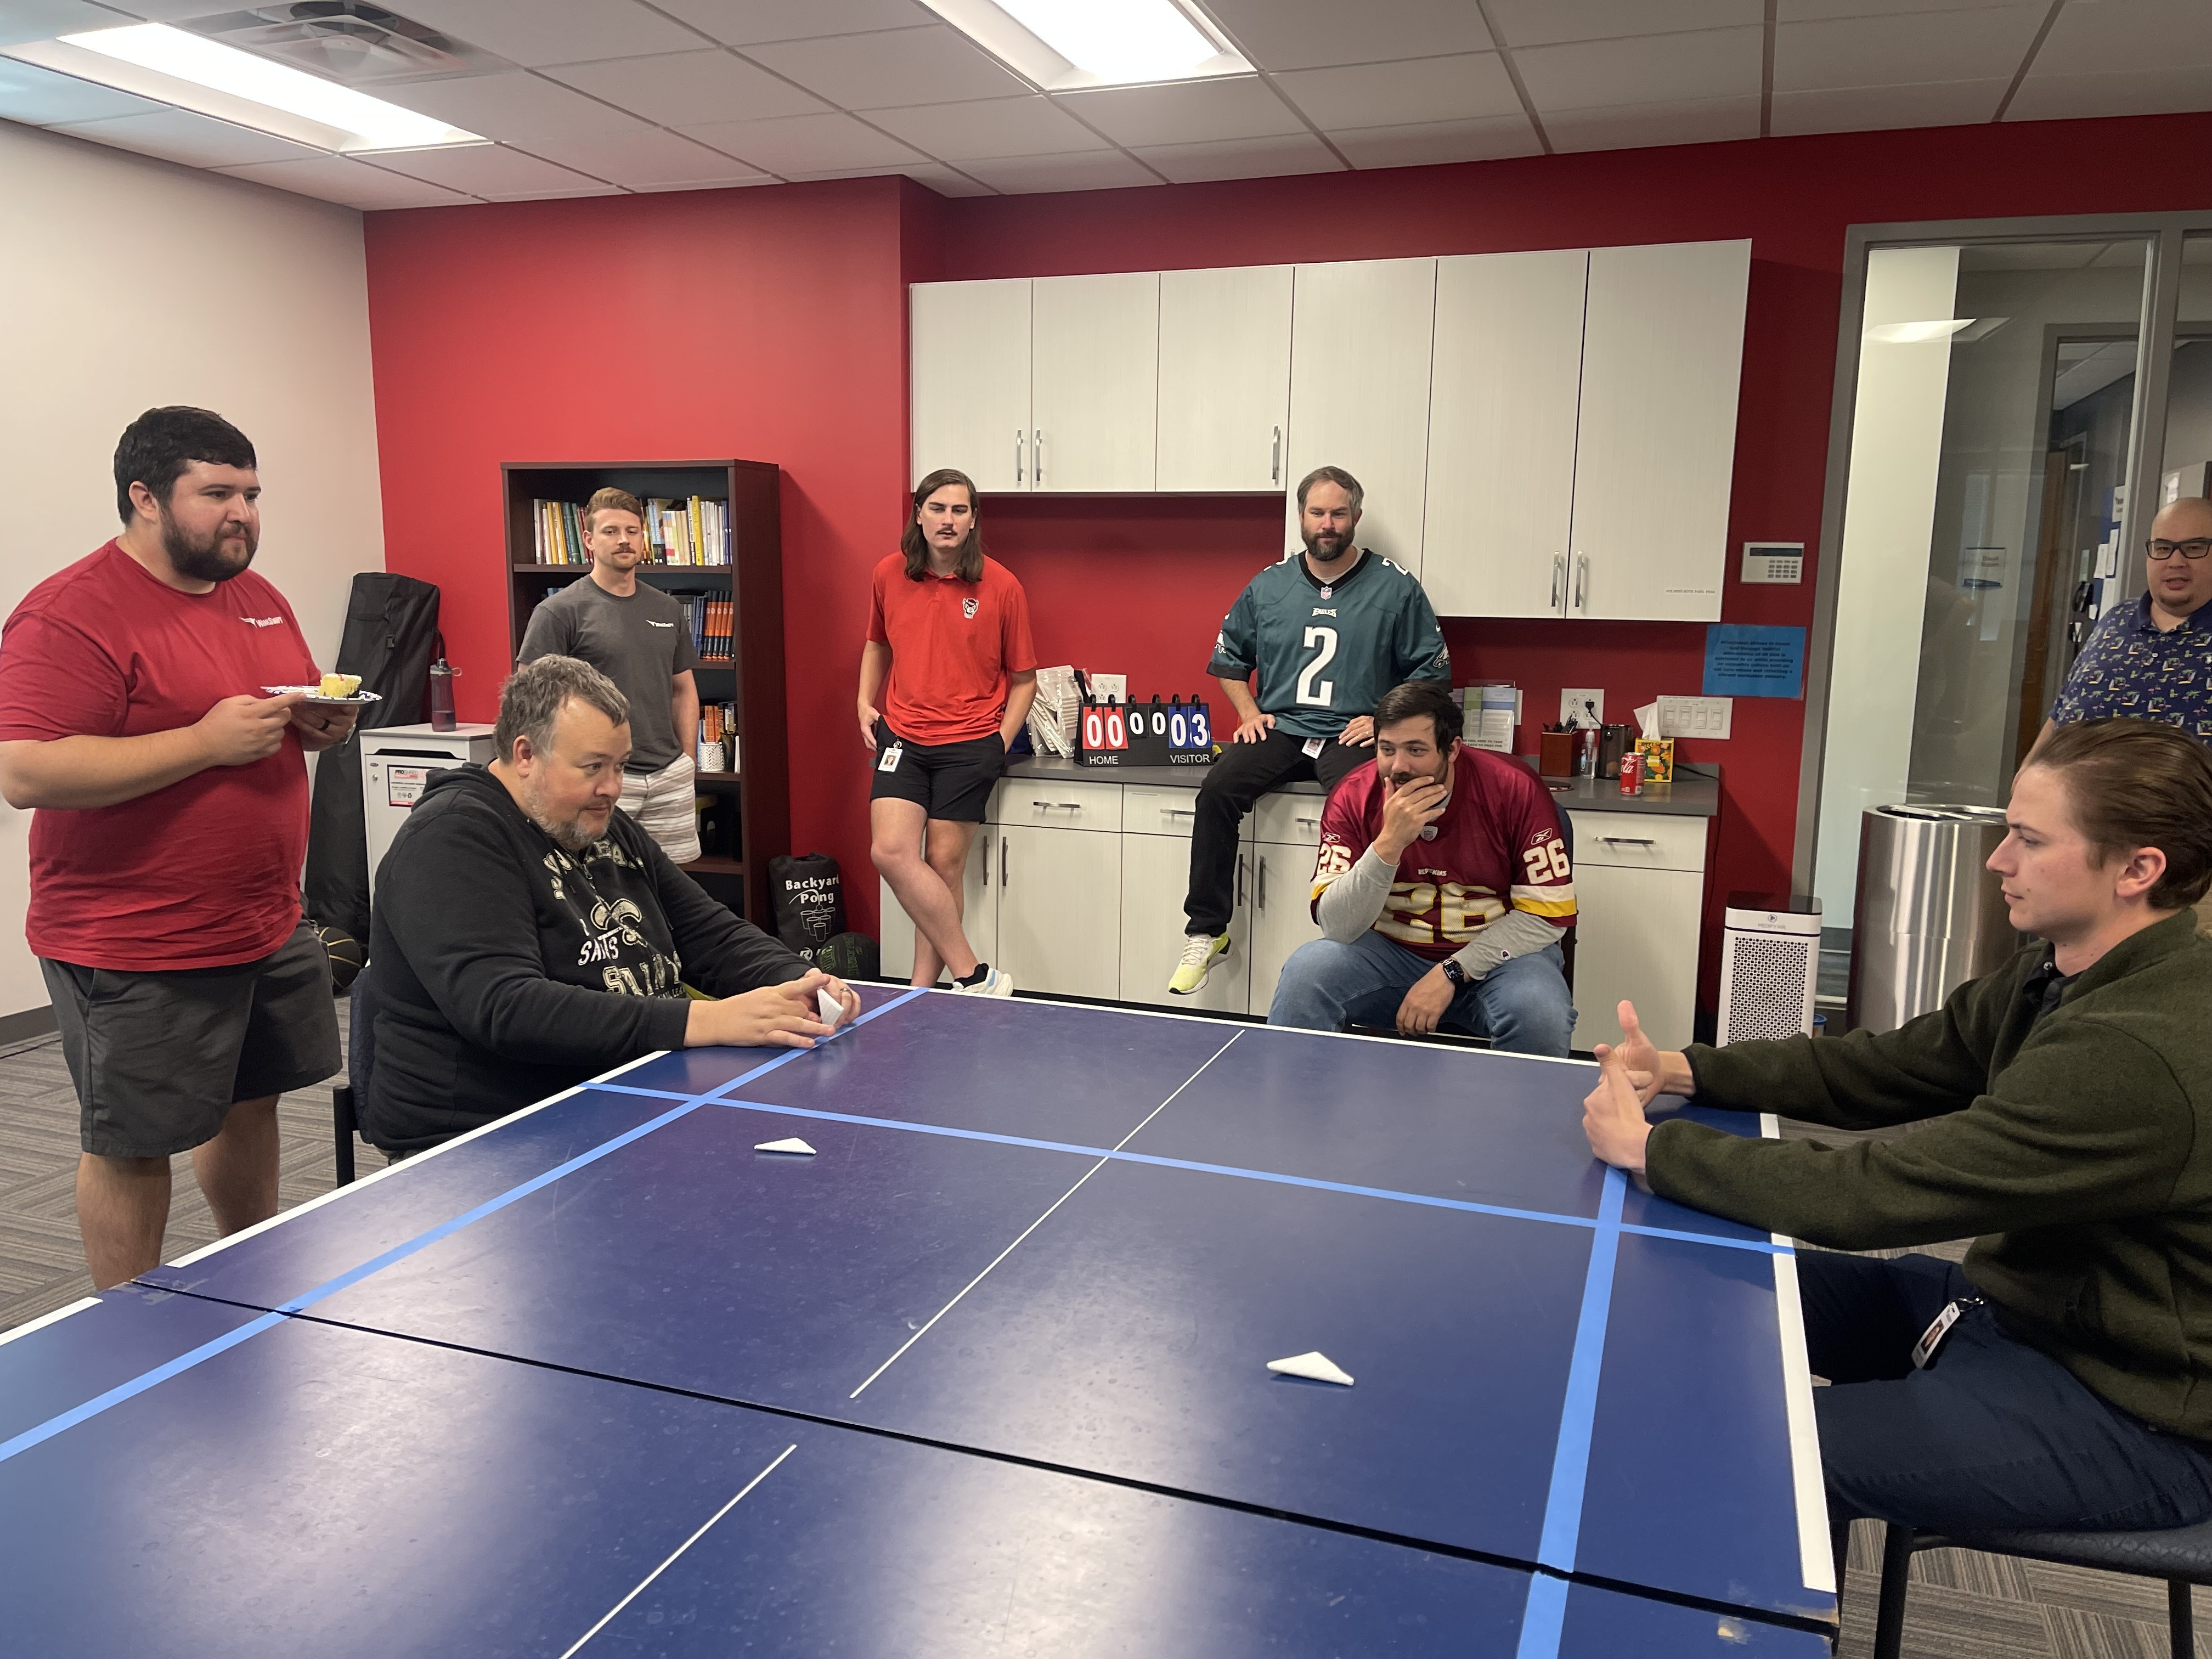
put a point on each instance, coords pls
(348, 41)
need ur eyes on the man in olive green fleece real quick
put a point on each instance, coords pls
(2064, 1107)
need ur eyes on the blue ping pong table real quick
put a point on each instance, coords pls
(986, 1374)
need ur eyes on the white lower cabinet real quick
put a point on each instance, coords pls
(1059, 909)
(1154, 875)
(1282, 912)
(1639, 901)
(979, 916)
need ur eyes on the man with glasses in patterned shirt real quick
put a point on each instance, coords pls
(2152, 660)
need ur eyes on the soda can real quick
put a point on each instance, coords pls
(1631, 773)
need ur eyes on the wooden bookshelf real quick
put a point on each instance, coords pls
(749, 822)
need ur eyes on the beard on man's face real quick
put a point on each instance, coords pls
(204, 558)
(572, 834)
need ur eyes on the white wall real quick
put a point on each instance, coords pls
(131, 282)
(1889, 507)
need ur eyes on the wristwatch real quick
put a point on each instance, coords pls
(1455, 973)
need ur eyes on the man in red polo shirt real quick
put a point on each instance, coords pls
(170, 793)
(952, 630)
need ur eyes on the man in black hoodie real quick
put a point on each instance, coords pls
(528, 936)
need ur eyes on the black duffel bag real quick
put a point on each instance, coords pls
(805, 901)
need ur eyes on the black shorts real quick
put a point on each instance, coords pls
(158, 1059)
(949, 781)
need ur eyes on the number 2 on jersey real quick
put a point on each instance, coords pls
(1313, 691)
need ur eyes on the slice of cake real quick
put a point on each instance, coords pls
(339, 685)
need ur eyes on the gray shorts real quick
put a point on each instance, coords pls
(158, 1059)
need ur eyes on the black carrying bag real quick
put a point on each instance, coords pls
(390, 636)
(805, 901)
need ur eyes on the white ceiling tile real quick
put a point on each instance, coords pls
(891, 71)
(38, 97)
(1434, 142)
(990, 127)
(2119, 36)
(491, 171)
(1241, 158)
(683, 88)
(514, 107)
(1985, 43)
(2143, 92)
(535, 31)
(1638, 126)
(744, 22)
(334, 179)
(1652, 68)
(1285, 34)
(652, 160)
(1186, 113)
(1465, 87)
(805, 143)
(1540, 22)
(946, 181)
(42, 19)
(1034, 174)
(179, 135)
(1802, 11)
(1871, 109)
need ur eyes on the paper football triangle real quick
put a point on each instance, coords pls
(794, 1145)
(1315, 1366)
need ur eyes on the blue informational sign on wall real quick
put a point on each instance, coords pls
(1743, 661)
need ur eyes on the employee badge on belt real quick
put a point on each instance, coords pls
(891, 756)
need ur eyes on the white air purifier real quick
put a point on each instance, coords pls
(1770, 962)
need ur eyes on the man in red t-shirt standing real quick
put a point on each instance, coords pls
(1442, 887)
(952, 630)
(172, 819)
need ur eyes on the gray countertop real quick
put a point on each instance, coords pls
(1695, 793)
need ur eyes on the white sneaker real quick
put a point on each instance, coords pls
(995, 983)
(1200, 951)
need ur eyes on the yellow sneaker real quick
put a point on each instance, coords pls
(1199, 953)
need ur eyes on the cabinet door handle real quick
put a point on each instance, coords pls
(1017, 454)
(1260, 887)
(1002, 861)
(1559, 577)
(986, 860)
(1628, 840)
(1275, 457)
(1240, 878)
(1582, 581)
(1315, 822)
(1037, 442)
(1054, 805)
(1177, 813)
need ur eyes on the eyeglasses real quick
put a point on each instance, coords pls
(2190, 549)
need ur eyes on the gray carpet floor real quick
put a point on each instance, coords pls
(1963, 1605)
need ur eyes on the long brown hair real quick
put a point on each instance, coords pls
(970, 568)
(2139, 783)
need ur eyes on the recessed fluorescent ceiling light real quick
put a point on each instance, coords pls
(1918, 333)
(1064, 46)
(348, 120)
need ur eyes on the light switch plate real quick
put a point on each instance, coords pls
(1571, 709)
(1695, 717)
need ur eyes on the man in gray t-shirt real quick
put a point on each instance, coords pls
(636, 636)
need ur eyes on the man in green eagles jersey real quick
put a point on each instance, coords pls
(1327, 632)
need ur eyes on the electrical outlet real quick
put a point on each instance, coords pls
(1695, 717)
(1584, 707)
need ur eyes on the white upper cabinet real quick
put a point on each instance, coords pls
(969, 369)
(1360, 335)
(1224, 378)
(1502, 410)
(1094, 381)
(1662, 356)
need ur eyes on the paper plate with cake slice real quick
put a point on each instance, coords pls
(334, 690)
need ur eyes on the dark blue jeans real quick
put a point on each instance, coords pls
(1994, 1436)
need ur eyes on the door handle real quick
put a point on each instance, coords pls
(1275, 457)
(1240, 878)
(1017, 454)
(986, 860)
(1559, 577)
(1628, 840)
(1036, 443)
(1002, 861)
(1582, 582)
(1260, 887)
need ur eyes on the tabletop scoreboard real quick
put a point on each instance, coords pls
(1155, 733)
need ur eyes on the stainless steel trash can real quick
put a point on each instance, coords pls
(1930, 915)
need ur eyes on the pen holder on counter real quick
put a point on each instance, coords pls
(1556, 754)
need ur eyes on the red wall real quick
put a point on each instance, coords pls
(770, 324)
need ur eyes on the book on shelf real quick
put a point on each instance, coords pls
(718, 737)
(678, 530)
